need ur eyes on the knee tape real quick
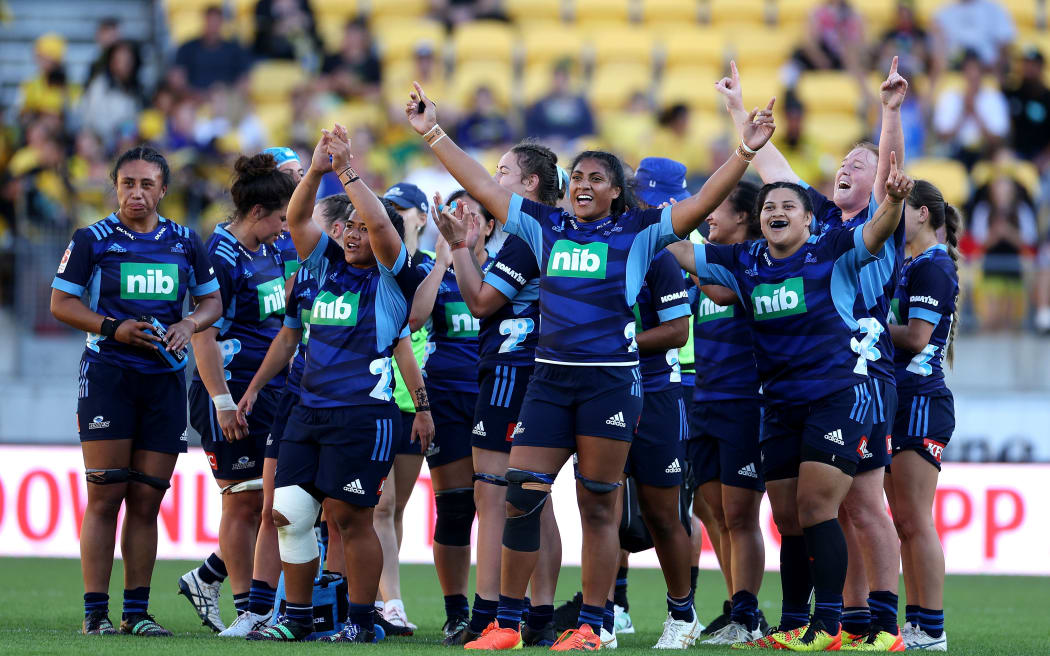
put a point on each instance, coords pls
(597, 487)
(491, 479)
(152, 481)
(527, 491)
(253, 485)
(296, 540)
(455, 517)
(106, 476)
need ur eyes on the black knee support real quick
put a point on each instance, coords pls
(455, 517)
(491, 479)
(152, 481)
(527, 491)
(597, 487)
(106, 476)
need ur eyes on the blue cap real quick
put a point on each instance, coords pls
(659, 180)
(282, 154)
(406, 195)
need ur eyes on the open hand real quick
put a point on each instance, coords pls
(421, 121)
(894, 89)
(759, 126)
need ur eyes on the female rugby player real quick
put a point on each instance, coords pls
(131, 409)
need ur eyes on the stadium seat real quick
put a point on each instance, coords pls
(834, 134)
(483, 41)
(947, 174)
(1024, 172)
(469, 76)
(1024, 12)
(547, 44)
(627, 44)
(691, 86)
(830, 91)
(397, 39)
(670, 12)
(273, 81)
(758, 47)
(337, 10)
(720, 12)
(759, 87)
(602, 11)
(523, 11)
(612, 85)
(356, 114)
(878, 15)
(698, 47)
(536, 82)
(384, 9)
(794, 11)
(185, 25)
(276, 119)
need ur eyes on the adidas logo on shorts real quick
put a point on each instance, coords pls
(835, 436)
(748, 470)
(674, 468)
(480, 429)
(617, 420)
(354, 487)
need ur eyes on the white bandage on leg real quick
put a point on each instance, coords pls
(244, 486)
(296, 540)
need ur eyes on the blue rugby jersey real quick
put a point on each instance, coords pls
(289, 256)
(590, 275)
(725, 352)
(509, 335)
(355, 321)
(451, 360)
(253, 299)
(128, 274)
(928, 289)
(827, 215)
(808, 341)
(663, 297)
(297, 317)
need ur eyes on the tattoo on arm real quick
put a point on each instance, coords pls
(422, 403)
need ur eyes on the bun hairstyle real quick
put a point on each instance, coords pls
(803, 197)
(536, 159)
(336, 207)
(942, 214)
(742, 200)
(145, 154)
(257, 181)
(614, 169)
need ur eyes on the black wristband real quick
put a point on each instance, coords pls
(423, 408)
(109, 326)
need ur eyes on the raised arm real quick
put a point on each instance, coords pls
(465, 169)
(463, 227)
(769, 163)
(880, 227)
(687, 214)
(426, 293)
(305, 233)
(891, 138)
(683, 252)
(386, 243)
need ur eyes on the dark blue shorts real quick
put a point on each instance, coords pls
(877, 449)
(828, 430)
(724, 444)
(657, 454)
(499, 404)
(453, 414)
(565, 401)
(344, 453)
(117, 404)
(924, 424)
(288, 400)
(405, 445)
(233, 461)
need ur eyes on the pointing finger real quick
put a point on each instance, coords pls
(772, 101)
(893, 66)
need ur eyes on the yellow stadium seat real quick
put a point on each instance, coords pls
(185, 25)
(383, 9)
(354, 115)
(629, 45)
(679, 12)
(1022, 171)
(397, 39)
(759, 87)
(794, 11)
(925, 9)
(1024, 12)
(698, 46)
(947, 175)
(190, 5)
(736, 11)
(833, 133)
(690, 86)
(273, 81)
(537, 82)
(757, 47)
(521, 11)
(550, 43)
(483, 41)
(830, 91)
(469, 77)
(877, 14)
(613, 85)
(339, 10)
(607, 11)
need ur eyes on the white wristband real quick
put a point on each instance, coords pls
(746, 149)
(224, 402)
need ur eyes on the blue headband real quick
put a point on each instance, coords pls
(282, 154)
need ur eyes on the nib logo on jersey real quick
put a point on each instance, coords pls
(460, 322)
(154, 282)
(332, 310)
(775, 300)
(708, 310)
(271, 298)
(571, 260)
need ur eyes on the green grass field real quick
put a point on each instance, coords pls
(41, 613)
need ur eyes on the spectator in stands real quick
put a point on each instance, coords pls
(106, 34)
(49, 92)
(835, 29)
(111, 103)
(285, 29)
(909, 42)
(454, 12)
(676, 139)
(485, 126)
(1029, 104)
(979, 25)
(972, 120)
(562, 114)
(354, 72)
(89, 176)
(211, 59)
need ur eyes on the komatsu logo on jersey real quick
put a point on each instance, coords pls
(928, 300)
(773, 300)
(708, 310)
(520, 279)
(332, 310)
(667, 298)
(156, 282)
(271, 298)
(571, 260)
(460, 322)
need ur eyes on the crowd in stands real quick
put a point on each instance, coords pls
(632, 76)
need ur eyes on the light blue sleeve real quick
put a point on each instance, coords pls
(500, 285)
(860, 249)
(927, 315)
(73, 288)
(316, 263)
(293, 322)
(405, 332)
(674, 312)
(399, 264)
(207, 288)
(647, 242)
(525, 226)
(391, 309)
(713, 273)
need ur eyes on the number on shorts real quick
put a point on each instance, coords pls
(516, 331)
(381, 367)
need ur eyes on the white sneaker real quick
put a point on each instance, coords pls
(245, 623)
(608, 639)
(678, 634)
(919, 639)
(622, 620)
(732, 633)
(394, 612)
(204, 597)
